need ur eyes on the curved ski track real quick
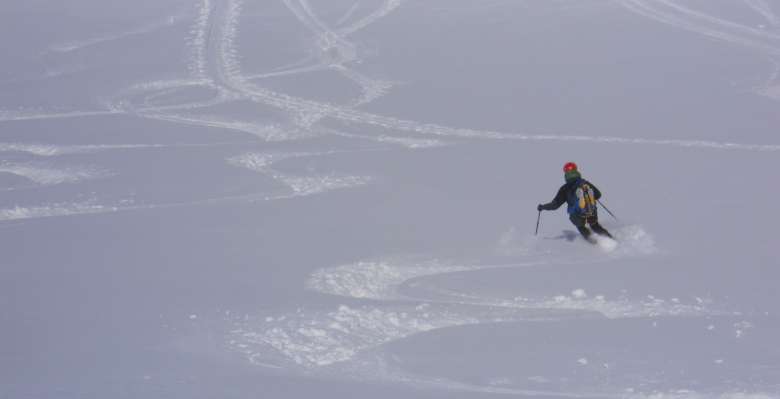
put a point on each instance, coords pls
(393, 299)
(762, 39)
(224, 76)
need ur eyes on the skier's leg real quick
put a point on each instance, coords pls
(597, 228)
(579, 223)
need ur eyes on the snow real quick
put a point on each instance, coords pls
(289, 199)
(606, 244)
(46, 175)
(51, 210)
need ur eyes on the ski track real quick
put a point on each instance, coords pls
(199, 41)
(335, 52)
(55, 210)
(312, 339)
(289, 72)
(269, 133)
(81, 44)
(46, 175)
(19, 212)
(760, 39)
(49, 150)
(347, 15)
(387, 7)
(306, 112)
(726, 24)
(400, 298)
(372, 89)
(50, 73)
(408, 142)
(231, 85)
(765, 10)
(326, 38)
(674, 14)
(10, 116)
(299, 186)
(307, 60)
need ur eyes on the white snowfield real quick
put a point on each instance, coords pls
(328, 199)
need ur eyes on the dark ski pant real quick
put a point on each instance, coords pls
(593, 221)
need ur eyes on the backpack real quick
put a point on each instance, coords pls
(582, 200)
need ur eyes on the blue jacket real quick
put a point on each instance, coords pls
(565, 195)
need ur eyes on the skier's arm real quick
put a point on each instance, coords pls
(596, 191)
(556, 203)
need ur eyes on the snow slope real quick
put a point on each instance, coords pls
(288, 199)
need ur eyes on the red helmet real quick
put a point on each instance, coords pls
(569, 167)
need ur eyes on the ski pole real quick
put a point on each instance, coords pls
(538, 217)
(607, 209)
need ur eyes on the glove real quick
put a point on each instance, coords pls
(540, 207)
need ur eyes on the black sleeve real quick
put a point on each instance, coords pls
(559, 200)
(596, 191)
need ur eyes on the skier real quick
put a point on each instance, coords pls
(581, 196)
